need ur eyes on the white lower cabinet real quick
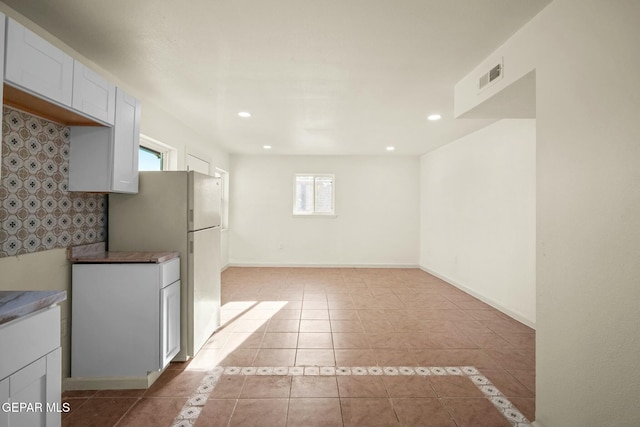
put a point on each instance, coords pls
(30, 395)
(4, 399)
(170, 333)
(125, 318)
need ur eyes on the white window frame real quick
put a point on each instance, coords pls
(224, 197)
(197, 163)
(169, 154)
(333, 196)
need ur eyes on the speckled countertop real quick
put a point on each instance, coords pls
(125, 257)
(14, 304)
(94, 253)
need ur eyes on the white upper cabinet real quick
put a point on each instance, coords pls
(93, 95)
(103, 159)
(126, 144)
(34, 64)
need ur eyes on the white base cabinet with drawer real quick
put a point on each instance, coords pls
(125, 318)
(30, 370)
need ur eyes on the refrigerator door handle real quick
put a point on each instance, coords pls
(191, 247)
(191, 215)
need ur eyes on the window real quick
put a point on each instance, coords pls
(313, 195)
(149, 160)
(154, 155)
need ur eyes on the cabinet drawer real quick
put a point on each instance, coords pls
(29, 338)
(169, 272)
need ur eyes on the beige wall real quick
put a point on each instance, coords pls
(586, 60)
(477, 215)
(42, 271)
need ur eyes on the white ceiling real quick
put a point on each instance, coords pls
(318, 76)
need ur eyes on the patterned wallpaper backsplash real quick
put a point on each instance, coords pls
(37, 212)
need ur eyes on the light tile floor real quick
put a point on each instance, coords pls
(292, 342)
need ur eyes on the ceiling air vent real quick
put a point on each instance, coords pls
(495, 73)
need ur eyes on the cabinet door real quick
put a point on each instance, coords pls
(115, 315)
(170, 333)
(90, 158)
(37, 383)
(93, 94)
(2, 30)
(34, 64)
(126, 143)
(4, 397)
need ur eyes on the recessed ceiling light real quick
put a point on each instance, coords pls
(434, 117)
(391, 148)
(266, 147)
(244, 114)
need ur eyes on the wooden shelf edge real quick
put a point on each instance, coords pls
(23, 101)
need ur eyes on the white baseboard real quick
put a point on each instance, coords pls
(490, 301)
(225, 267)
(536, 424)
(281, 265)
(109, 383)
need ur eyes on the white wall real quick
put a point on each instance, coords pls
(376, 206)
(160, 125)
(477, 215)
(586, 60)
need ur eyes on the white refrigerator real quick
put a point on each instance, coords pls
(177, 211)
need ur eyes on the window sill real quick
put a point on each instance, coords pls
(315, 216)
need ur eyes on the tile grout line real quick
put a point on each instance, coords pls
(191, 410)
(127, 411)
